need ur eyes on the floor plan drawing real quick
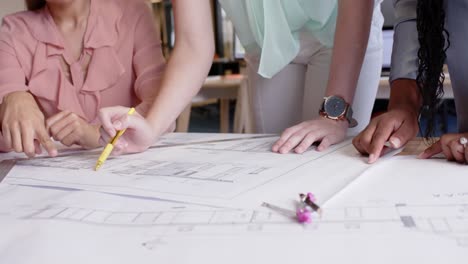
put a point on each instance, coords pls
(178, 139)
(198, 199)
(262, 145)
(448, 221)
(187, 171)
(78, 162)
(157, 228)
(205, 173)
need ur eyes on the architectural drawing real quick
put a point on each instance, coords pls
(181, 139)
(182, 197)
(445, 221)
(218, 173)
(78, 162)
(262, 145)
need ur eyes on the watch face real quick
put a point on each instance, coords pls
(335, 106)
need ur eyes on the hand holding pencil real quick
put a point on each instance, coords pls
(110, 146)
(139, 134)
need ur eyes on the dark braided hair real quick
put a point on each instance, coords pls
(434, 42)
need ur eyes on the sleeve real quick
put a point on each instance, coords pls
(12, 77)
(405, 42)
(148, 60)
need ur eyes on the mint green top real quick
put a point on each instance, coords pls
(271, 28)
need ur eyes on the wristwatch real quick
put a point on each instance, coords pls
(336, 108)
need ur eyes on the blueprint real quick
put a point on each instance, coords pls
(400, 210)
(235, 172)
(117, 229)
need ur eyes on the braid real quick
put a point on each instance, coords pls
(434, 42)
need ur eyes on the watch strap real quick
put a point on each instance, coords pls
(349, 117)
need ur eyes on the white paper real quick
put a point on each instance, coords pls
(86, 227)
(409, 179)
(233, 173)
(401, 210)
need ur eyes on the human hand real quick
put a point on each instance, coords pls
(451, 146)
(23, 126)
(302, 136)
(71, 129)
(397, 126)
(138, 137)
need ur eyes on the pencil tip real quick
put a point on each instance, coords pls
(98, 166)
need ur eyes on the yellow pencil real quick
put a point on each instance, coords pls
(110, 146)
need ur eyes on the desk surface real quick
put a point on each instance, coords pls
(414, 147)
(400, 210)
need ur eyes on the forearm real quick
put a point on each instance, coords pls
(185, 74)
(351, 37)
(188, 65)
(405, 94)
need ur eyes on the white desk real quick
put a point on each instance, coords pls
(380, 217)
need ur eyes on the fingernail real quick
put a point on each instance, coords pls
(421, 155)
(395, 142)
(117, 124)
(371, 158)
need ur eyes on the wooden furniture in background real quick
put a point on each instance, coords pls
(224, 89)
(414, 147)
(384, 88)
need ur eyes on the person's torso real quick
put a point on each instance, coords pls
(271, 29)
(103, 76)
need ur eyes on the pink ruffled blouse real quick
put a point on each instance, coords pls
(121, 64)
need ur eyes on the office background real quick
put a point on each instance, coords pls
(206, 115)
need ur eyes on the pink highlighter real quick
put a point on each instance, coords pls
(306, 207)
